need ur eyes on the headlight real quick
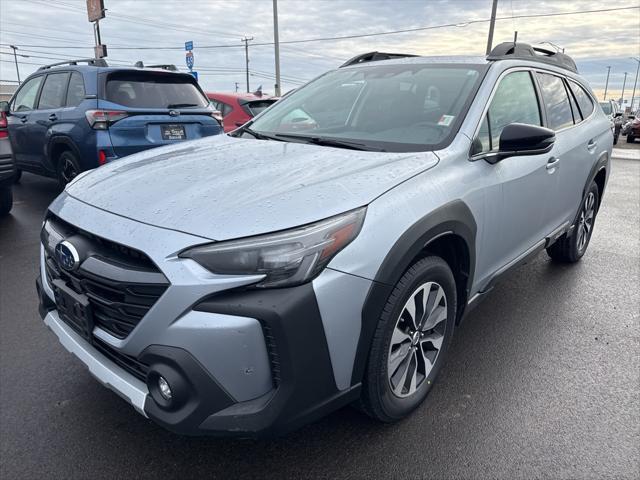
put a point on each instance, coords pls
(285, 258)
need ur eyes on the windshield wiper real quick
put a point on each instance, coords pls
(330, 142)
(181, 105)
(258, 135)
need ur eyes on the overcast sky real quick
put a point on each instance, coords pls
(46, 28)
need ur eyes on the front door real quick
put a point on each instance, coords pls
(22, 108)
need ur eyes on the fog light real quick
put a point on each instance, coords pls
(165, 389)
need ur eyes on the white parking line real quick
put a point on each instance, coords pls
(626, 154)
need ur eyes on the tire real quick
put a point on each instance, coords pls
(397, 343)
(630, 138)
(17, 176)
(67, 168)
(570, 249)
(6, 200)
(615, 139)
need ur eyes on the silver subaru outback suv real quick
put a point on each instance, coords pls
(324, 253)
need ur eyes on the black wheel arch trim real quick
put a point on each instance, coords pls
(60, 140)
(452, 218)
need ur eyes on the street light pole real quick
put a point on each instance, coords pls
(492, 25)
(15, 58)
(633, 95)
(606, 85)
(276, 41)
(624, 83)
(246, 58)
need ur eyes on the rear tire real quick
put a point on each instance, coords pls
(6, 200)
(67, 168)
(615, 138)
(630, 138)
(17, 176)
(410, 341)
(570, 249)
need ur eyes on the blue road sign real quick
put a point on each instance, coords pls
(189, 59)
(195, 74)
(188, 45)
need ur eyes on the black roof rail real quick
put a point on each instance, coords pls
(94, 62)
(165, 66)
(524, 51)
(374, 57)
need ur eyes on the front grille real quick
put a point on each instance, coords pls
(128, 363)
(121, 283)
(6, 165)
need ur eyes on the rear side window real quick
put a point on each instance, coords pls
(54, 91)
(222, 107)
(556, 101)
(153, 90)
(258, 106)
(26, 97)
(75, 93)
(583, 98)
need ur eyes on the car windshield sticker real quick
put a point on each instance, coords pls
(446, 120)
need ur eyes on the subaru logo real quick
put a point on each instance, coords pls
(67, 256)
(174, 113)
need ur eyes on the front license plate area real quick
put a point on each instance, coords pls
(74, 308)
(173, 132)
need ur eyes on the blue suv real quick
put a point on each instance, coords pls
(78, 115)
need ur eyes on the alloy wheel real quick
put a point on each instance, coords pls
(585, 224)
(68, 170)
(417, 339)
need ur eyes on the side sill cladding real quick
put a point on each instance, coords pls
(452, 218)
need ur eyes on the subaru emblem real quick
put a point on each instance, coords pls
(174, 113)
(67, 255)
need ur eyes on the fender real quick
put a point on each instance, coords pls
(454, 217)
(55, 140)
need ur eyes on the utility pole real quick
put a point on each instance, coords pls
(624, 83)
(246, 41)
(276, 41)
(15, 58)
(492, 25)
(606, 85)
(633, 95)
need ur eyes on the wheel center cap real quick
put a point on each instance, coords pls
(415, 338)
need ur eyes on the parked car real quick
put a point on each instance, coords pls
(253, 282)
(632, 129)
(238, 108)
(626, 125)
(7, 169)
(70, 117)
(613, 111)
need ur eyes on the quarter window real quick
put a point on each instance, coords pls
(583, 98)
(514, 101)
(556, 101)
(26, 96)
(75, 92)
(54, 91)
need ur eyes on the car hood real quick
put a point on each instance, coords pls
(223, 187)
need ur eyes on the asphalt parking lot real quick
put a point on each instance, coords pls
(542, 381)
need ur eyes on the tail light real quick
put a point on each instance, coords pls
(101, 119)
(102, 157)
(3, 125)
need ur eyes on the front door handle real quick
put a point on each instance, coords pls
(53, 117)
(592, 144)
(553, 163)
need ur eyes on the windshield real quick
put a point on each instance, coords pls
(402, 107)
(606, 107)
(153, 90)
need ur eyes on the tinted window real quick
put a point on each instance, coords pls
(26, 96)
(222, 107)
(258, 106)
(606, 107)
(556, 101)
(401, 107)
(577, 116)
(76, 92)
(584, 100)
(154, 90)
(53, 91)
(515, 101)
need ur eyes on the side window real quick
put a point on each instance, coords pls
(75, 92)
(577, 116)
(53, 91)
(583, 98)
(514, 101)
(26, 97)
(556, 101)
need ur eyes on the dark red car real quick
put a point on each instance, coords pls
(238, 108)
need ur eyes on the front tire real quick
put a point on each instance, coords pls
(410, 341)
(6, 200)
(630, 138)
(67, 168)
(570, 249)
